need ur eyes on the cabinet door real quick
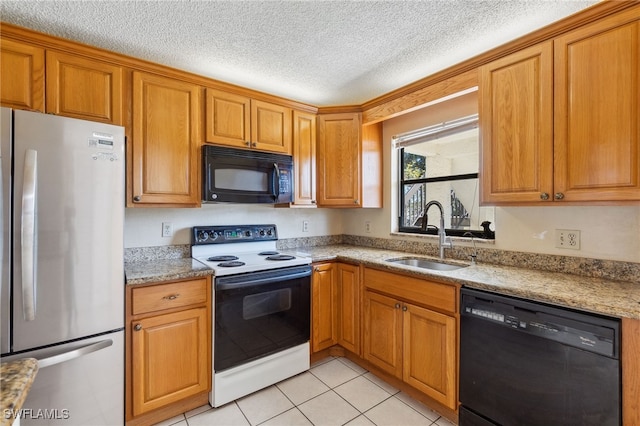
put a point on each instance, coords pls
(228, 119)
(382, 345)
(323, 314)
(166, 141)
(270, 127)
(83, 88)
(429, 353)
(304, 158)
(21, 75)
(339, 168)
(348, 307)
(516, 121)
(597, 110)
(169, 358)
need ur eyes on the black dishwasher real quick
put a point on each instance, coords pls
(532, 364)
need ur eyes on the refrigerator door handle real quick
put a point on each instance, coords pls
(28, 234)
(76, 353)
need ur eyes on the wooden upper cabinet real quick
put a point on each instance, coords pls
(242, 122)
(304, 158)
(559, 121)
(84, 88)
(516, 114)
(270, 127)
(597, 110)
(339, 167)
(349, 159)
(166, 141)
(228, 119)
(21, 75)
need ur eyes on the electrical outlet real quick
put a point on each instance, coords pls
(568, 239)
(367, 227)
(305, 226)
(167, 229)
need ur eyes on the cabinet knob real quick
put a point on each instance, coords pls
(137, 327)
(254, 144)
(247, 143)
(172, 296)
(313, 201)
(397, 306)
(558, 196)
(544, 196)
(355, 201)
(404, 308)
(316, 269)
(137, 198)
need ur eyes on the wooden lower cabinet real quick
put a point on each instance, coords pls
(411, 342)
(323, 307)
(348, 306)
(336, 306)
(169, 349)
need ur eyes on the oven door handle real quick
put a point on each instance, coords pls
(231, 283)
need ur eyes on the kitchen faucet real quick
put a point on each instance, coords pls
(443, 240)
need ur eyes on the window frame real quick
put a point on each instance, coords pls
(431, 230)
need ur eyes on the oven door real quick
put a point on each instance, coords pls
(260, 313)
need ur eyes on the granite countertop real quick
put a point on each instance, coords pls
(150, 271)
(16, 378)
(608, 297)
(599, 295)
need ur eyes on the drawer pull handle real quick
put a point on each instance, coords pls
(171, 297)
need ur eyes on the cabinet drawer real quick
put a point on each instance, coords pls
(416, 290)
(168, 296)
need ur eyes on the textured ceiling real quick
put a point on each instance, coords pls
(318, 52)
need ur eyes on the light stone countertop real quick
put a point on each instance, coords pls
(598, 295)
(608, 297)
(151, 271)
(16, 378)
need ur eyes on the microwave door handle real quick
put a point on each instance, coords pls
(276, 185)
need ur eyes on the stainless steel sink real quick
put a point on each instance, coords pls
(427, 264)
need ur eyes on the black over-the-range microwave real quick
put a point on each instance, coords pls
(243, 176)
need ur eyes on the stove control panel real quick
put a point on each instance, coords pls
(201, 235)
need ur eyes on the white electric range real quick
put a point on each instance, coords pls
(262, 308)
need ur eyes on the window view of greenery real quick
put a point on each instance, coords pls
(445, 170)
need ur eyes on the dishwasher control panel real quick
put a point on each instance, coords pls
(578, 329)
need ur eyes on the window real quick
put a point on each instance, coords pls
(441, 163)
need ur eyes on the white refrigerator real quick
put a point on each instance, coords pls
(62, 294)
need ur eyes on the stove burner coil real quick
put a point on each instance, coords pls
(222, 258)
(281, 257)
(231, 264)
(268, 253)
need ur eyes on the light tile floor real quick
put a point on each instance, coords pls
(335, 391)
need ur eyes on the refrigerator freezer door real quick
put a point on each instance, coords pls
(5, 222)
(75, 253)
(79, 383)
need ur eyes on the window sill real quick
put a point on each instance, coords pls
(427, 237)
